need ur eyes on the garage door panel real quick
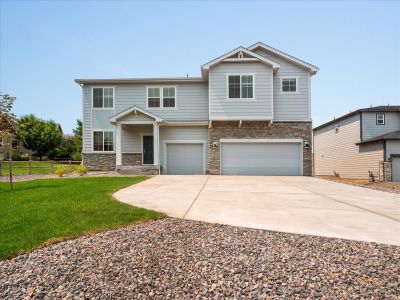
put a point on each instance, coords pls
(185, 159)
(396, 169)
(261, 159)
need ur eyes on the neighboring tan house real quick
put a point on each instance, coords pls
(357, 143)
(248, 114)
(11, 144)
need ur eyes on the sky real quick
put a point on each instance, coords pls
(45, 45)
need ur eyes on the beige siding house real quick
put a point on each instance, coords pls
(353, 145)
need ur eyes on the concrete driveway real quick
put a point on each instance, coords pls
(302, 205)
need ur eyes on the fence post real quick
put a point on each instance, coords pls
(11, 177)
(69, 164)
(1, 168)
(52, 166)
(30, 167)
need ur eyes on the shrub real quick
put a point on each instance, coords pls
(20, 157)
(61, 170)
(81, 170)
(76, 156)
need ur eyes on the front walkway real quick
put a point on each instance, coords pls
(302, 205)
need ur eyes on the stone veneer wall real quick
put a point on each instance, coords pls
(99, 161)
(131, 159)
(249, 129)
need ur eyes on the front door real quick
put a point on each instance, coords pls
(148, 153)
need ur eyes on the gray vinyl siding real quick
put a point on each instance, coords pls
(290, 107)
(370, 129)
(87, 119)
(100, 119)
(222, 108)
(338, 152)
(182, 133)
(392, 147)
(191, 100)
(131, 137)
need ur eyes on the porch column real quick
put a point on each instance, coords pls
(156, 143)
(118, 146)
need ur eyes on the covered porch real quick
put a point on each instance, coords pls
(137, 141)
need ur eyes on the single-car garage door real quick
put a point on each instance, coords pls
(396, 168)
(184, 159)
(261, 158)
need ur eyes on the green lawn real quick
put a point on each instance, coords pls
(38, 167)
(39, 212)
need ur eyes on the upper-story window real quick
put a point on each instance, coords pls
(240, 86)
(161, 97)
(103, 97)
(103, 140)
(289, 85)
(380, 119)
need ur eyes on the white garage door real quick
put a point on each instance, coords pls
(184, 159)
(261, 158)
(396, 169)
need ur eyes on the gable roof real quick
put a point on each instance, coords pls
(383, 108)
(394, 135)
(134, 109)
(205, 68)
(313, 69)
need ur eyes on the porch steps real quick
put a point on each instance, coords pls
(138, 170)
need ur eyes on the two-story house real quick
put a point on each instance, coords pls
(248, 114)
(357, 143)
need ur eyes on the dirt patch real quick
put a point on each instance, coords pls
(391, 187)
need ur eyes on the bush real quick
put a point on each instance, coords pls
(76, 156)
(61, 170)
(20, 157)
(81, 170)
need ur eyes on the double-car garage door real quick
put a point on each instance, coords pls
(239, 157)
(258, 157)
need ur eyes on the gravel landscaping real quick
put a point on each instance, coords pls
(173, 258)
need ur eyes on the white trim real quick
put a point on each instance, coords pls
(156, 144)
(166, 142)
(264, 141)
(214, 62)
(118, 146)
(313, 69)
(135, 123)
(244, 118)
(240, 60)
(268, 140)
(309, 97)
(161, 87)
(185, 123)
(240, 84)
(92, 139)
(103, 108)
(281, 78)
(127, 111)
(272, 95)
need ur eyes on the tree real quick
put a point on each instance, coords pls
(7, 120)
(39, 135)
(77, 155)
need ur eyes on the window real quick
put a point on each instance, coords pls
(169, 97)
(103, 97)
(14, 144)
(380, 119)
(161, 97)
(1, 143)
(289, 85)
(240, 86)
(103, 141)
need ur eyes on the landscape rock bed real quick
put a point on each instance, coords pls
(173, 258)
